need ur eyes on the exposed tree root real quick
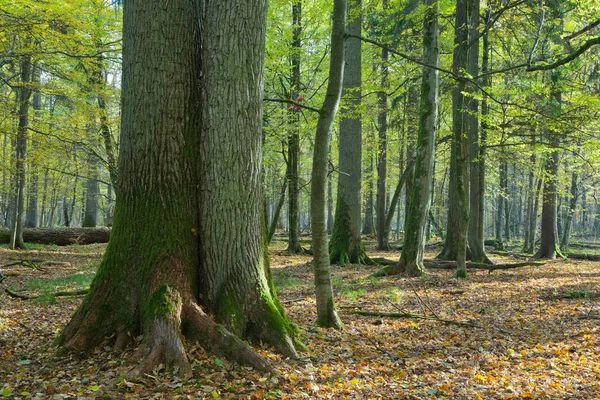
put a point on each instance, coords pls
(36, 264)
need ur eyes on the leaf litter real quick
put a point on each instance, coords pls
(534, 334)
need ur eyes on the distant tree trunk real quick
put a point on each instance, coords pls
(382, 106)
(564, 243)
(326, 313)
(294, 136)
(24, 93)
(329, 205)
(549, 242)
(44, 196)
(411, 259)
(31, 216)
(368, 226)
(502, 208)
(529, 230)
(275, 217)
(90, 219)
(346, 244)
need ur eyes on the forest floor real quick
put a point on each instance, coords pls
(531, 332)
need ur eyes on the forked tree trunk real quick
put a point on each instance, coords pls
(326, 312)
(346, 244)
(151, 279)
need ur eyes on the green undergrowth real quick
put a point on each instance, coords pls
(46, 288)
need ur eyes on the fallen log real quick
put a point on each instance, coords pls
(413, 316)
(60, 236)
(56, 294)
(583, 256)
(488, 267)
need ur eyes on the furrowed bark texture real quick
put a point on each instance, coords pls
(326, 313)
(149, 277)
(411, 259)
(236, 286)
(346, 245)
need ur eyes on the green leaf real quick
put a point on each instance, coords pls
(94, 388)
(219, 362)
(25, 362)
(6, 392)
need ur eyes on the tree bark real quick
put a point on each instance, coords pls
(31, 216)
(294, 136)
(326, 312)
(60, 236)
(346, 244)
(179, 241)
(24, 91)
(382, 100)
(476, 155)
(564, 243)
(411, 259)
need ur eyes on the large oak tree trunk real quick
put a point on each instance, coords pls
(236, 286)
(151, 280)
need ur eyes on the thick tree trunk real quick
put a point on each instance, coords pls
(151, 278)
(326, 312)
(346, 245)
(236, 286)
(294, 136)
(16, 240)
(411, 259)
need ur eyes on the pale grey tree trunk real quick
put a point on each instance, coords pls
(346, 244)
(24, 93)
(566, 234)
(326, 312)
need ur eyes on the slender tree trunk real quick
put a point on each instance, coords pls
(455, 245)
(329, 205)
(24, 92)
(411, 259)
(566, 234)
(382, 127)
(476, 155)
(368, 226)
(275, 217)
(31, 216)
(294, 136)
(326, 313)
(90, 219)
(346, 244)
